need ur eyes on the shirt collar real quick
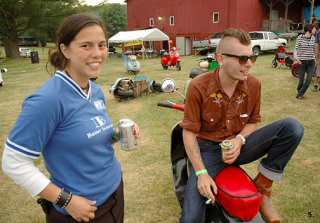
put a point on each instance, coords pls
(215, 85)
(74, 85)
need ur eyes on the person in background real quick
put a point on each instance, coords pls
(315, 23)
(173, 53)
(317, 66)
(225, 104)
(65, 120)
(304, 53)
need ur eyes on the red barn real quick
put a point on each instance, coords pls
(187, 20)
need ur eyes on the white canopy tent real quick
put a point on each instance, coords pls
(139, 35)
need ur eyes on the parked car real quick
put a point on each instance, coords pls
(24, 52)
(265, 41)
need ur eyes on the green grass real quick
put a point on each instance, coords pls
(147, 176)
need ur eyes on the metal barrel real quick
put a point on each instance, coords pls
(127, 137)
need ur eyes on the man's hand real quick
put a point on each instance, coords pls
(207, 187)
(298, 61)
(233, 154)
(81, 209)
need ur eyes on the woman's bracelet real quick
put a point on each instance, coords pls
(115, 137)
(201, 172)
(63, 199)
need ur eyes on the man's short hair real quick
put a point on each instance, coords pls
(239, 34)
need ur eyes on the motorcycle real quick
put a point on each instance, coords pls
(131, 64)
(282, 57)
(171, 60)
(2, 70)
(220, 211)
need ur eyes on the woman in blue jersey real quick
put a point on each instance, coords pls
(65, 120)
(304, 53)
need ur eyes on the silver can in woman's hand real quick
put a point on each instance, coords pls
(127, 135)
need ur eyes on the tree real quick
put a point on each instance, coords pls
(114, 17)
(19, 16)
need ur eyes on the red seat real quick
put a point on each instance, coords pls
(237, 193)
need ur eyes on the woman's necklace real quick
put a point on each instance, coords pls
(83, 88)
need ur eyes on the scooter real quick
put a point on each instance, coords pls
(211, 62)
(2, 70)
(171, 60)
(282, 57)
(131, 64)
(206, 64)
(229, 177)
(294, 69)
(195, 72)
(295, 72)
(126, 88)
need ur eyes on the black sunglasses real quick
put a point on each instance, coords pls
(242, 59)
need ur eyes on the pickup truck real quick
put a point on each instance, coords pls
(205, 45)
(198, 44)
(215, 41)
(265, 41)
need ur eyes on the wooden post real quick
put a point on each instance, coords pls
(286, 3)
(311, 10)
(270, 4)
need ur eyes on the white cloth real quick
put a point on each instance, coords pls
(21, 169)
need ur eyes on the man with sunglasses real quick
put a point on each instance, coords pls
(225, 104)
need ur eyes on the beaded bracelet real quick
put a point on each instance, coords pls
(63, 199)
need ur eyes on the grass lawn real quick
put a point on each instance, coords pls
(147, 176)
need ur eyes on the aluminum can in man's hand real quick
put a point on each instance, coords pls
(226, 145)
(127, 135)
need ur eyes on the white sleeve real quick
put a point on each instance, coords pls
(22, 171)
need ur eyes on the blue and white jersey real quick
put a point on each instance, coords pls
(73, 132)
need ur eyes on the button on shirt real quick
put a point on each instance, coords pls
(211, 114)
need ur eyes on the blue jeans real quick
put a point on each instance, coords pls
(305, 66)
(278, 140)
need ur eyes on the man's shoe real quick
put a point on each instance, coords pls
(266, 207)
(301, 97)
(315, 88)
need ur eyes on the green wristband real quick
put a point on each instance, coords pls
(115, 137)
(201, 172)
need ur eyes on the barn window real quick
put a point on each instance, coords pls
(171, 20)
(151, 21)
(215, 17)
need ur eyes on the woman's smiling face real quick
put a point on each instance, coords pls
(86, 53)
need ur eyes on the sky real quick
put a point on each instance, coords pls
(95, 2)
